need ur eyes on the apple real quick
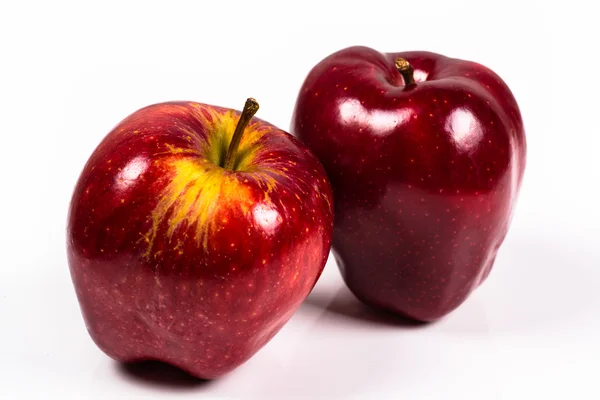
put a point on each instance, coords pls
(191, 240)
(426, 156)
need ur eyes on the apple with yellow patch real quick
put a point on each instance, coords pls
(194, 233)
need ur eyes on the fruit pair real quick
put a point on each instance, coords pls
(194, 232)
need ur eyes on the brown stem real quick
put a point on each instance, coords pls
(406, 70)
(250, 108)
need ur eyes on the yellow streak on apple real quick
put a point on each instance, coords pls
(199, 187)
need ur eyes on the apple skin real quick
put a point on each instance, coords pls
(176, 259)
(425, 176)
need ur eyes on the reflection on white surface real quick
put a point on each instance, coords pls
(464, 128)
(127, 176)
(381, 122)
(266, 217)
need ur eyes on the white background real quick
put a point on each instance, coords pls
(70, 72)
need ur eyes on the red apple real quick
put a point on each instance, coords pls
(192, 245)
(425, 155)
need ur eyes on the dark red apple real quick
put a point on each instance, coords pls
(191, 245)
(425, 155)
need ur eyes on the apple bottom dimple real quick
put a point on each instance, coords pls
(427, 299)
(429, 255)
(413, 286)
(203, 326)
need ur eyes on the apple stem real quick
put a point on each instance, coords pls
(250, 108)
(406, 70)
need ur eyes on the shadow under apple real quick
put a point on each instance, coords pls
(345, 305)
(159, 374)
